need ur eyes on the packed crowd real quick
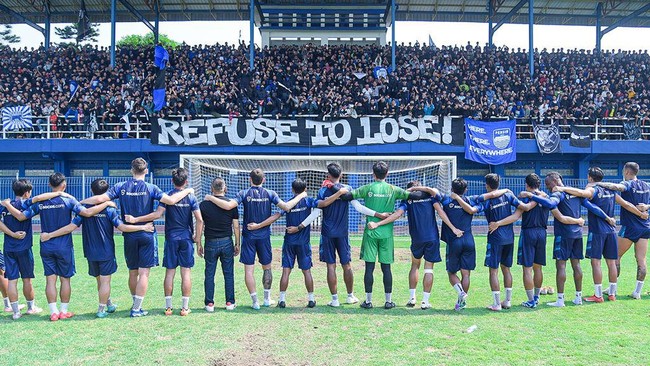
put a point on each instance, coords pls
(332, 81)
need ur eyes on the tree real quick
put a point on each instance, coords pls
(7, 36)
(71, 31)
(137, 40)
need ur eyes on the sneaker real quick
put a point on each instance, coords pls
(34, 310)
(17, 316)
(210, 308)
(594, 298)
(611, 297)
(54, 317)
(389, 305)
(543, 291)
(529, 304)
(101, 314)
(352, 299)
(550, 290)
(256, 306)
(495, 307)
(425, 305)
(230, 306)
(311, 304)
(536, 299)
(577, 301)
(462, 304)
(334, 303)
(66, 315)
(635, 296)
(281, 304)
(269, 303)
(10, 310)
(169, 311)
(411, 303)
(366, 305)
(506, 305)
(138, 313)
(111, 308)
(556, 304)
(185, 312)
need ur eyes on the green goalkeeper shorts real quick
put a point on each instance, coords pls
(372, 248)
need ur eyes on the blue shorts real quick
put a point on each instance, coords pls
(532, 247)
(602, 246)
(58, 261)
(430, 250)
(261, 247)
(302, 253)
(330, 246)
(19, 264)
(634, 234)
(178, 253)
(102, 268)
(140, 250)
(496, 255)
(565, 249)
(461, 254)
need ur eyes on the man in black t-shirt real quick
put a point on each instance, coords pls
(220, 224)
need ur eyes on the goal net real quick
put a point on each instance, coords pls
(280, 171)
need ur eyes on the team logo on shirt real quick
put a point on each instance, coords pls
(452, 205)
(370, 194)
(123, 192)
(248, 198)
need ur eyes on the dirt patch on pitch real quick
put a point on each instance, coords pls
(255, 349)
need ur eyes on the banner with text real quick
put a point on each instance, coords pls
(491, 143)
(308, 132)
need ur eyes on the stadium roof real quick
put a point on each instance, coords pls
(578, 12)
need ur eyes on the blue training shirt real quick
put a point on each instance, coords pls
(457, 216)
(55, 214)
(295, 217)
(179, 224)
(569, 206)
(423, 227)
(136, 197)
(537, 217)
(335, 216)
(605, 200)
(12, 244)
(495, 210)
(257, 208)
(97, 232)
(636, 191)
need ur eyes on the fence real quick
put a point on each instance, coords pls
(140, 127)
(80, 188)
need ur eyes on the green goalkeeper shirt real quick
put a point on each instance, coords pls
(380, 196)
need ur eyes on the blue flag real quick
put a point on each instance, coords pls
(492, 143)
(16, 118)
(73, 88)
(160, 59)
(380, 72)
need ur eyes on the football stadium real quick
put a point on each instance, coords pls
(444, 204)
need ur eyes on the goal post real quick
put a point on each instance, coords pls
(281, 170)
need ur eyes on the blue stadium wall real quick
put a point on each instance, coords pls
(39, 157)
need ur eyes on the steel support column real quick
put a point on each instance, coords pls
(113, 20)
(48, 27)
(599, 36)
(156, 24)
(490, 32)
(392, 34)
(251, 61)
(531, 48)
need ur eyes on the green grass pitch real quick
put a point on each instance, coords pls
(608, 333)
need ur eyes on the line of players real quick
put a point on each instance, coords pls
(455, 210)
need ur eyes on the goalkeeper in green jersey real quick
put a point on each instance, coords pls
(378, 243)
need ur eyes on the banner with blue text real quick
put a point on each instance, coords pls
(492, 143)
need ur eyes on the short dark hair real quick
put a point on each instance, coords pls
(459, 186)
(138, 166)
(413, 183)
(596, 174)
(632, 166)
(298, 185)
(492, 180)
(334, 169)
(21, 186)
(99, 186)
(380, 169)
(57, 179)
(533, 181)
(554, 177)
(179, 177)
(257, 176)
(218, 184)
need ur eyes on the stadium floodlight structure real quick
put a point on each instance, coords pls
(281, 170)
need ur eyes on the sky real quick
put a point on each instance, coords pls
(442, 33)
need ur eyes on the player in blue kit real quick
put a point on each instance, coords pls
(634, 229)
(57, 254)
(18, 256)
(257, 202)
(99, 245)
(179, 239)
(602, 240)
(496, 206)
(425, 240)
(137, 198)
(4, 282)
